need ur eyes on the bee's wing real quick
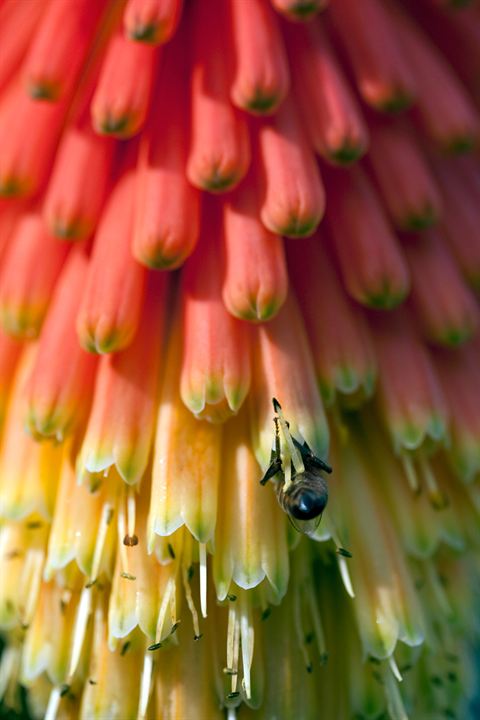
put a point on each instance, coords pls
(306, 527)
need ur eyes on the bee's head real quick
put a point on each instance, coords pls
(307, 500)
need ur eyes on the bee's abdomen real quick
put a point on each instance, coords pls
(306, 498)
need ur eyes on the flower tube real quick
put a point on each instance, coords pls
(255, 279)
(220, 149)
(261, 79)
(114, 288)
(152, 21)
(215, 374)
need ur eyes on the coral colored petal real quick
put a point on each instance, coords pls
(18, 21)
(261, 77)
(167, 207)
(341, 346)
(120, 426)
(299, 10)
(63, 374)
(246, 546)
(255, 279)
(32, 263)
(10, 350)
(72, 207)
(29, 471)
(215, 375)
(410, 194)
(186, 462)
(409, 395)
(326, 102)
(459, 373)
(461, 214)
(33, 130)
(294, 198)
(284, 370)
(381, 67)
(372, 266)
(112, 298)
(122, 96)
(443, 304)
(219, 152)
(152, 21)
(444, 109)
(60, 46)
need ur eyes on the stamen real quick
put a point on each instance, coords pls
(202, 548)
(145, 686)
(410, 472)
(394, 699)
(163, 609)
(105, 520)
(436, 496)
(190, 602)
(345, 575)
(233, 642)
(317, 623)
(53, 703)
(236, 653)
(248, 641)
(394, 668)
(122, 533)
(31, 578)
(131, 538)
(81, 620)
(299, 629)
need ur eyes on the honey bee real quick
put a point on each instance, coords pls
(303, 495)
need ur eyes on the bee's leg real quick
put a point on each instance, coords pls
(275, 457)
(308, 455)
(272, 470)
(321, 464)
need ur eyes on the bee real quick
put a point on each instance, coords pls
(303, 495)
